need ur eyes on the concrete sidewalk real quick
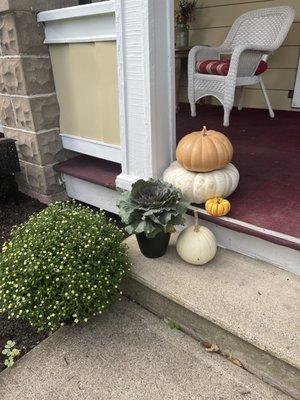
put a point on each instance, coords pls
(129, 354)
(248, 307)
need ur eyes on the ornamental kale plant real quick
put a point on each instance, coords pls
(64, 265)
(151, 207)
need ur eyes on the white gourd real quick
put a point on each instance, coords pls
(197, 187)
(196, 244)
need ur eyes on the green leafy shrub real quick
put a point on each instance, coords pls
(151, 207)
(63, 265)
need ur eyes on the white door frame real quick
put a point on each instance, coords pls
(296, 97)
(145, 45)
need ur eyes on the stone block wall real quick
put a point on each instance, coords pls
(29, 110)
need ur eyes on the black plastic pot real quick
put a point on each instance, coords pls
(153, 247)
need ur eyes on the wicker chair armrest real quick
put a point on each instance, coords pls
(201, 52)
(204, 52)
(236, 55)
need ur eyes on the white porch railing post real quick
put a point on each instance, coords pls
(145, 42)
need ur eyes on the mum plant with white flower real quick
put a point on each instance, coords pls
(64, 265)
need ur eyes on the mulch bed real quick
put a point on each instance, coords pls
(18, 330)
(14, 214)
(21, 332)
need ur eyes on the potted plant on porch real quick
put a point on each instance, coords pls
(183, 16)
(151, 210)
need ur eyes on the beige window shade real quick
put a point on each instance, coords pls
(85, 77)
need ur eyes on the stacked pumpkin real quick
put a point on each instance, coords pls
(203, 170)
(204, 173)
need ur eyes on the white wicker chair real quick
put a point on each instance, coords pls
(253, 36)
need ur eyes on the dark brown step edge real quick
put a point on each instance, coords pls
(91, 169)
(247, 230)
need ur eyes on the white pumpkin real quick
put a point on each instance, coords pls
(197, 187)
(196, 244)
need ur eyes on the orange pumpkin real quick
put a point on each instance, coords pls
(204, 151)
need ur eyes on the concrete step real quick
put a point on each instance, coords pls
(249, 308)
(128, 354)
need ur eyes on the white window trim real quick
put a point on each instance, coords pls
(91, 147)
(77, 11)
(87, 23)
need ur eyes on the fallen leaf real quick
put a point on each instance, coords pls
(235, 361)
(214, 348)
(206, 344)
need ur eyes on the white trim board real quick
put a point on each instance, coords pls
(94, 148)
(124, 181)
(89, 23)
(90, 193)
(81, 39)
(145, 49)
(77, 11)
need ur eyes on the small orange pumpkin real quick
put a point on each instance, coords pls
(204, 151)
(217, 206)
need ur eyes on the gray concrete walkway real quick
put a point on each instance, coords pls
(249, 298)
(248, 307)
(129, 354)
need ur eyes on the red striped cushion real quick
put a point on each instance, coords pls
(221, 67)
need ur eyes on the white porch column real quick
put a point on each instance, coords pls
(145, 41)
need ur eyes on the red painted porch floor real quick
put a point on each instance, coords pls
(267, 155)
(91, 169)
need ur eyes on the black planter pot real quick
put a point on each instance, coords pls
(153, 247)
